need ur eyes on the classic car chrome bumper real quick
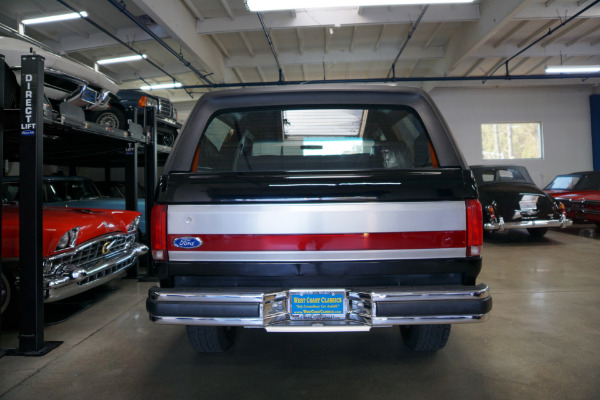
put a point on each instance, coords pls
(74, 280)
(500, 225)
(364, 309)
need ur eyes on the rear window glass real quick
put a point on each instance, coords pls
(314, 139)
(494, 175)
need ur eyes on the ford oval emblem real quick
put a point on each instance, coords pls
(187, 242)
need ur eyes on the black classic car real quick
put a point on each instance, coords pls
(511, 200)
(129, 105)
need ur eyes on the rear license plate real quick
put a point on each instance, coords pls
(527, 205)
(318, 304)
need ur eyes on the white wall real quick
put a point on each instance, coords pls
(564, 113)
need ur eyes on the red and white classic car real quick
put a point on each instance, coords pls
(82, 249)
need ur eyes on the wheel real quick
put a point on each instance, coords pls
(210, 339)
(166, 137)
(113, 118)
(425, 337)
(8, 297)
(11, 89)
(537, 232)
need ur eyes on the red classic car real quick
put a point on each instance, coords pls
(574, 183)
(82, 248)
(577, 191)
(583, 207)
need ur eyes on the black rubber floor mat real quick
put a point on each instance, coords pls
(60, 311)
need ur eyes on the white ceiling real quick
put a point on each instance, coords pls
(223, 39)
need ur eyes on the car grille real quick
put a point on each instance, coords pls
(90, 252)
(165, 108)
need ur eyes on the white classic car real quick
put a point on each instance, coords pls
(65, 80)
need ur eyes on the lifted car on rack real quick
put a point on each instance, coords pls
(317, 209)
(129, 105)
(65, 80)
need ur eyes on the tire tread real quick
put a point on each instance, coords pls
(425, 337)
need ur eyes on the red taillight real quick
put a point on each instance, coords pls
(143, 102)
(474, 227)
(158, 238)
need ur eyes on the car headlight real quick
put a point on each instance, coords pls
(134, 224)
(68, 239)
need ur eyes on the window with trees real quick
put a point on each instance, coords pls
(519, 140)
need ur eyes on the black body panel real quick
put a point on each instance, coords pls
(321, 274)
(237, 188)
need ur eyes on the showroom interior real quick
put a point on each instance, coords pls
(102, 96)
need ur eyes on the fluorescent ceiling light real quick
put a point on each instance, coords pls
(278, 5)
(162, 86)
(573, 69)
(54, 18)
(135, 57)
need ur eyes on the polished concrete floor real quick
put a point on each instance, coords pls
(542, 342)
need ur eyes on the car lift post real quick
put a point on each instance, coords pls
(31, 300)
(150, 172)
(2, 64)
(131, 192)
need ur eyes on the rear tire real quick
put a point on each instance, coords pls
(12, 93)
(211, 339)
(425, 337)
(537, 232)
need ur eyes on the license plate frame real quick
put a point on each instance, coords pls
(318, 304)
(527, 205)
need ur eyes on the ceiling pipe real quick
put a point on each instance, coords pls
(408, 37)
(121, 7)
(550, 32)
(272, 46)
(101, 29)
(396, 80)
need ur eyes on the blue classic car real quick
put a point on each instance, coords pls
(72, 191)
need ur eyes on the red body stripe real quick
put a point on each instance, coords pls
(328, 242)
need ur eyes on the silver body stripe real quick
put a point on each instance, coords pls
(314, 256)
(329, 218)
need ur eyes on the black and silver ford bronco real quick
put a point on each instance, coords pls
(317, 209)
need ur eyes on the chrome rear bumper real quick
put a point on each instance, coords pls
(366, 308)
(500, 225)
